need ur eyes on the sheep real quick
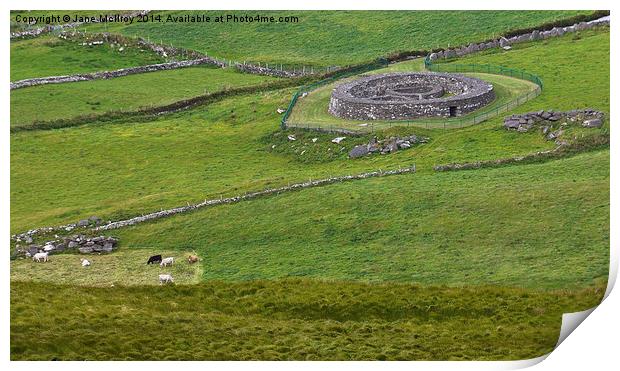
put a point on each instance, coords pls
(85, 263)
(165, 278)
(192, 259)
(166, 262)
(40, 256)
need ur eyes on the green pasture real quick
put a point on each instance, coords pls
(63, 101)
(50, 55)
(323, 38)
(123, 267)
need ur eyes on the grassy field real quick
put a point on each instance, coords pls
(427, 229)
(457, 265)
(52, 56)
(333, 37)
(123, 93)
(564, 78)
(312, 109)
(125, 267)
(287, 320)
(225, 148)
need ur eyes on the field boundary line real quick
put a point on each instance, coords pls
(222, 201)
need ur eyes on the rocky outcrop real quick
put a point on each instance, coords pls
(552, 122)
(79, 243)
(388, 145)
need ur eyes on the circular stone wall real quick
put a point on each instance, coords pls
(397, 96)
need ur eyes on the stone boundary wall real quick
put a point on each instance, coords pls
(505, 43)
(362, 99)
(214, 202)
(490, 163)
(49, 28)
(259, 70)
(165, 51)
(561, 150)
(112, 74)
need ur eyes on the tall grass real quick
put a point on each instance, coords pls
(287, 320)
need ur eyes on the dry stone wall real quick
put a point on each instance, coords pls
(95, 224)
(506, 43)
(112, 74)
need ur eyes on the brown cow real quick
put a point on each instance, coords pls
(192, 259)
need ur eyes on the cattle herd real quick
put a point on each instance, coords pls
(163, 262)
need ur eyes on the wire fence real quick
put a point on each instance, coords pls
(452, 123)
(379, 63)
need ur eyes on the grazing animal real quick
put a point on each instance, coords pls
(166, 262)
(165, 278)
(85, 263)
(40, 256)
(154, 259)
(192, 259)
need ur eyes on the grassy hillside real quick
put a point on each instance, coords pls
(225, 148)
(574, 69)
(123, 93)
(334, 37)
(52, 56)
(291, 319)
(427, 229)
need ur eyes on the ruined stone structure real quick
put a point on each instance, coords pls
(398, 96)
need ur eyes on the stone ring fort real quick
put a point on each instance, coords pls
(398, 96)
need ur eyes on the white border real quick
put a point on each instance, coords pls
(594, 344)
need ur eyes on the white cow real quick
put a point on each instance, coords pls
(165, 278)
(166, 262)
(85, 263)
(40, 256)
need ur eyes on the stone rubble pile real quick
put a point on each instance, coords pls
(552, 122)
(27, 237)
(79, 242)
(505, 43)
(388, 145)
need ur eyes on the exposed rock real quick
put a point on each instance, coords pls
(503, 42)
(593, 123)
(547, 119)
(358, 151)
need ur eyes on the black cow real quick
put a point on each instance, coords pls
(154, 259)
